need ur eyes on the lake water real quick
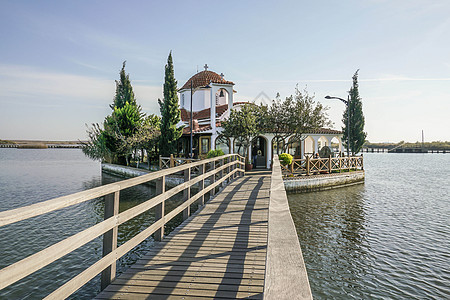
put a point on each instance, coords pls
(29, 176)
(386, 239)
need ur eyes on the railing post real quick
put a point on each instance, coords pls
(160, 162)
(159, 209)
(110, 238)
(340, 164)
(201, 171)
(307, 165)
(233, 159)
(362, 162)
(172, 162)
(187, 193)
(292, 167)
(329, 164)
(213, 178)
(222, 161)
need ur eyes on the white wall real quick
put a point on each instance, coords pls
(200, 100)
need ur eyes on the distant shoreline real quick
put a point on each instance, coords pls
(39, 144)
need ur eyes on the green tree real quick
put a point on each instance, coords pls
(357, 134)
(121, 126)
(307, 115)
(147, 137)
(96, 146)
(114, 143)
(124, 90)
(170, 112)
(244, 124)
(296, 115)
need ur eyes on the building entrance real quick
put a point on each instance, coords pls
(259, 152)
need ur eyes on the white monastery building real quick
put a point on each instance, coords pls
(212, 100)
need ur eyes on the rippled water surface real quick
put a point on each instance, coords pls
(388, 238)
(29, 176)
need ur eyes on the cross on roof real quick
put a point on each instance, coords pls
(206, 67)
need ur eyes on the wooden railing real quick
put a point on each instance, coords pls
(286, 276)
(218, 170)
(312, 166)
(170, 162)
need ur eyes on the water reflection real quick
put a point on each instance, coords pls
(385, 239)
(333, 235)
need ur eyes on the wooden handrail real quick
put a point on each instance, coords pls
(34, 210)
(310, 166)
(30, 264)
(285, 276)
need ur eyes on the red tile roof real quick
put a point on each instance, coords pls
(202, 128)
(203, 78)
(203, 114)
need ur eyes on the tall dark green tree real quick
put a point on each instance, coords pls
(170, 112)
(124, 90)
(357, 134)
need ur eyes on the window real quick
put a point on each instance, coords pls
(182, 100)
(205, 143)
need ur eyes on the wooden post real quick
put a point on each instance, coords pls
(307, 165)
(110, 238)
(213, 178)
(160, 162)
(221, 172)
(233, 159)
(172, 162)
(159, 209)
(201, 200)
(187, 194)
(329, 164)
(292, 167)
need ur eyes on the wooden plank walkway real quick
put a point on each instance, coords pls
(219, 252)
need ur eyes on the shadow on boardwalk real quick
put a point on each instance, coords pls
(219, 252)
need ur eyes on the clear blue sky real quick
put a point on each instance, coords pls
(59, 59)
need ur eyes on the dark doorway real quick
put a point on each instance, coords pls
(259, 152)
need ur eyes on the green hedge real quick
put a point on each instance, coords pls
(285, 159)
(214, 153)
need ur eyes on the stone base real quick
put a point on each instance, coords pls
(322, 182)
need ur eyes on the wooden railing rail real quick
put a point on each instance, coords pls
(170, 162)
(233, 167)
(285, 276)
(311, 166)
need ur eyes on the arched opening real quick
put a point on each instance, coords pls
(239, 147)
(277, 145)
(259, 152)
(336, 145)
(223, 143)
(309, 146)
(295, 147)
(322, 142)
(222, 97)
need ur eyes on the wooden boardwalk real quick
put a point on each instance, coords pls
(219, 252)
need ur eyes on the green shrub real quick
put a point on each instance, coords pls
(214, 153)
(285, 159)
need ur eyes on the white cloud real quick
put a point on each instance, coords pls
(17, 81)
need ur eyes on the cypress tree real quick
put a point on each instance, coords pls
(124, 90)
(170, 112)
(357, 134)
